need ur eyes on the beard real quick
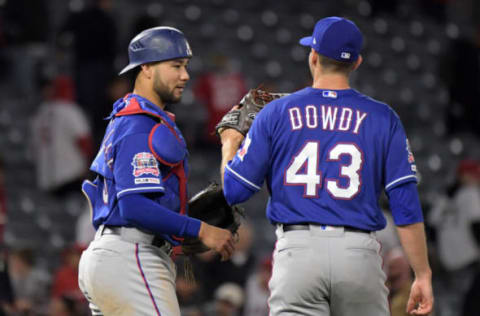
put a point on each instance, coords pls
(164, 93)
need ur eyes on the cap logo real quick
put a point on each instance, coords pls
(314, 41)
(345, 55)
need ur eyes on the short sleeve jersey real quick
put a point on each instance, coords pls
(326, 156)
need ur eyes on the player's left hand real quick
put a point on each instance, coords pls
(420, 301)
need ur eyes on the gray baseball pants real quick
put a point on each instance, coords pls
(125, 275)
(327, 271)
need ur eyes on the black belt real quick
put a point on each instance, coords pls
(290, 227)
(116, 230)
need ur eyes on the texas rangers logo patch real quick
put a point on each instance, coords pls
(145, 163)
(244, 150)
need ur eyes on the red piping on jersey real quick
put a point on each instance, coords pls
(145, 281)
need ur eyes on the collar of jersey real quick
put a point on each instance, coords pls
(135, 104)
(342, 92)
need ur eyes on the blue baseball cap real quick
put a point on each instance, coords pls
(336, 38)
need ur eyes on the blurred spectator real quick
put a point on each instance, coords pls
(236, 270)
(219, 89)
(61, 140)
(29, 284)
(26, 34)
(257, 291)
(399, 281)
(63, 306)
(454, 219)
(65, 279)
(94, 36)
(228, 300)
(66, 298)
(460, 70)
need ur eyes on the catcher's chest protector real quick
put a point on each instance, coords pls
(166, 145)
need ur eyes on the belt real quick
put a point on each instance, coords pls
(137, 236)
(290, 227)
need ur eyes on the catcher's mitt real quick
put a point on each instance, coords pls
(210, 206)
(241, 118)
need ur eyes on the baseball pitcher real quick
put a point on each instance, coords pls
(326, 152)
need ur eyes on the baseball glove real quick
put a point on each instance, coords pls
(210, 206)
(241, 118)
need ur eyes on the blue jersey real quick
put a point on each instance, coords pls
(326, 156)
(143, 151)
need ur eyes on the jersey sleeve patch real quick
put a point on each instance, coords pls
(135, 169)
(144, 163)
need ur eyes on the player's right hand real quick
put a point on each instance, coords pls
(420, 301)
(218, 239)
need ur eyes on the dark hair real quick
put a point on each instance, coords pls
(332, 65)
(133, 74)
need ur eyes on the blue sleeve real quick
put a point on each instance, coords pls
(145, 213)
(235, 191)
(135, 168)
(400, 164)
(250, 164)
(405, 204)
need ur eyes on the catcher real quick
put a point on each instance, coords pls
(138, 199)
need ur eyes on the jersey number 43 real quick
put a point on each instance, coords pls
(303, 170)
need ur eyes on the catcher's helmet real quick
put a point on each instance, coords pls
(157, 44)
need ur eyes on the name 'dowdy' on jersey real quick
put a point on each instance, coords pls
(333, 118)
